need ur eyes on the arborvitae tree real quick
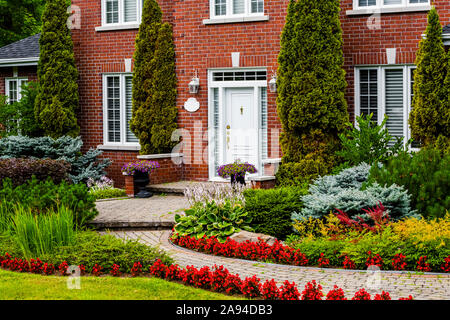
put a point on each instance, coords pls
(311, 87)
(57, 100)
(154, 83)
(427, 118)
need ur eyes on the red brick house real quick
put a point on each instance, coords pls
(232, 47)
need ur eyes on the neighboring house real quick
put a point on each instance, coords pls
(232, 46)
(18, 65)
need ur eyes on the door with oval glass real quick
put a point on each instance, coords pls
(241, 129)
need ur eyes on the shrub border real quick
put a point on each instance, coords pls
(285, 255)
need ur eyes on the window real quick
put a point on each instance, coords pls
(240, 76)
(236, 8)
(368, 4)
(117, 110)
(386, 91)
(13, 89)
(122, 12)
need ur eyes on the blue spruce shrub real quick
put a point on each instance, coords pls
(345, 192)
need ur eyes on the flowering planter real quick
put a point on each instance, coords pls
(236, 171)
(137, 178)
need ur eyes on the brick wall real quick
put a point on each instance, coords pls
(29, 72)
(200, 47)
(367, 46)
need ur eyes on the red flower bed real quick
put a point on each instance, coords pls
(279, 253)
(313, 291)
(374, 260)
(399, 263)
(422, 264)
(336, 294)
(218, 279)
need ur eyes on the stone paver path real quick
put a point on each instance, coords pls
(421, 287)
(157, 211)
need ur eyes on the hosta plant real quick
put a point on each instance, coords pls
(212, 220)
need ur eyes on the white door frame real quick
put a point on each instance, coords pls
(221, 86)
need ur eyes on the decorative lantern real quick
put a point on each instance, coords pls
(194, 84)
(273, 83)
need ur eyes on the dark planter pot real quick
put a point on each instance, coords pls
(141, 180)
(238, 179)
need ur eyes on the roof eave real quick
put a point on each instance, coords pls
(19, 62)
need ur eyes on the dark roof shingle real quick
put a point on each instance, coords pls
(25, 48)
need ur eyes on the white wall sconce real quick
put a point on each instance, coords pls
(194, 84)
(273, 83)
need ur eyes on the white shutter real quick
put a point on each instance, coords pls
(216, 128)
(238, 6)
(130, 10)
(128, 109)
(395, 102)
(264, 142)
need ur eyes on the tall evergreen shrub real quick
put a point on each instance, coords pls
(57, 100)
(429, 119)
(311, 86)
(154, 83)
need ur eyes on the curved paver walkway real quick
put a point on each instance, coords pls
(157, 211)
(421, 287)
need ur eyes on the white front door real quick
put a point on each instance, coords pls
(241, 126)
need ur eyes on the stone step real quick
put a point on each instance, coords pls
(175, 188)
(130, 225)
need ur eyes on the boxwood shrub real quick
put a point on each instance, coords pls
(271, 209)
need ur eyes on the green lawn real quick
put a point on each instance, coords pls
(26, 286)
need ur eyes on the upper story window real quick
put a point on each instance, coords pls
(379, 4)
(236, 8)
(121, 12)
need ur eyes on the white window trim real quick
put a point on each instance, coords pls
(222, 85)
(121, 25)
(247, 16)
(381, 94)
(19, 87)
(380, 7)
(123, 145)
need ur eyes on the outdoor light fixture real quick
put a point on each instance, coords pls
(194, 84)
(273, 83)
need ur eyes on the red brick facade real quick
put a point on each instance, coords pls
(29, 72)
(203, 46)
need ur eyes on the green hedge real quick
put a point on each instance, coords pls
(271, 209)
(45, 196)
